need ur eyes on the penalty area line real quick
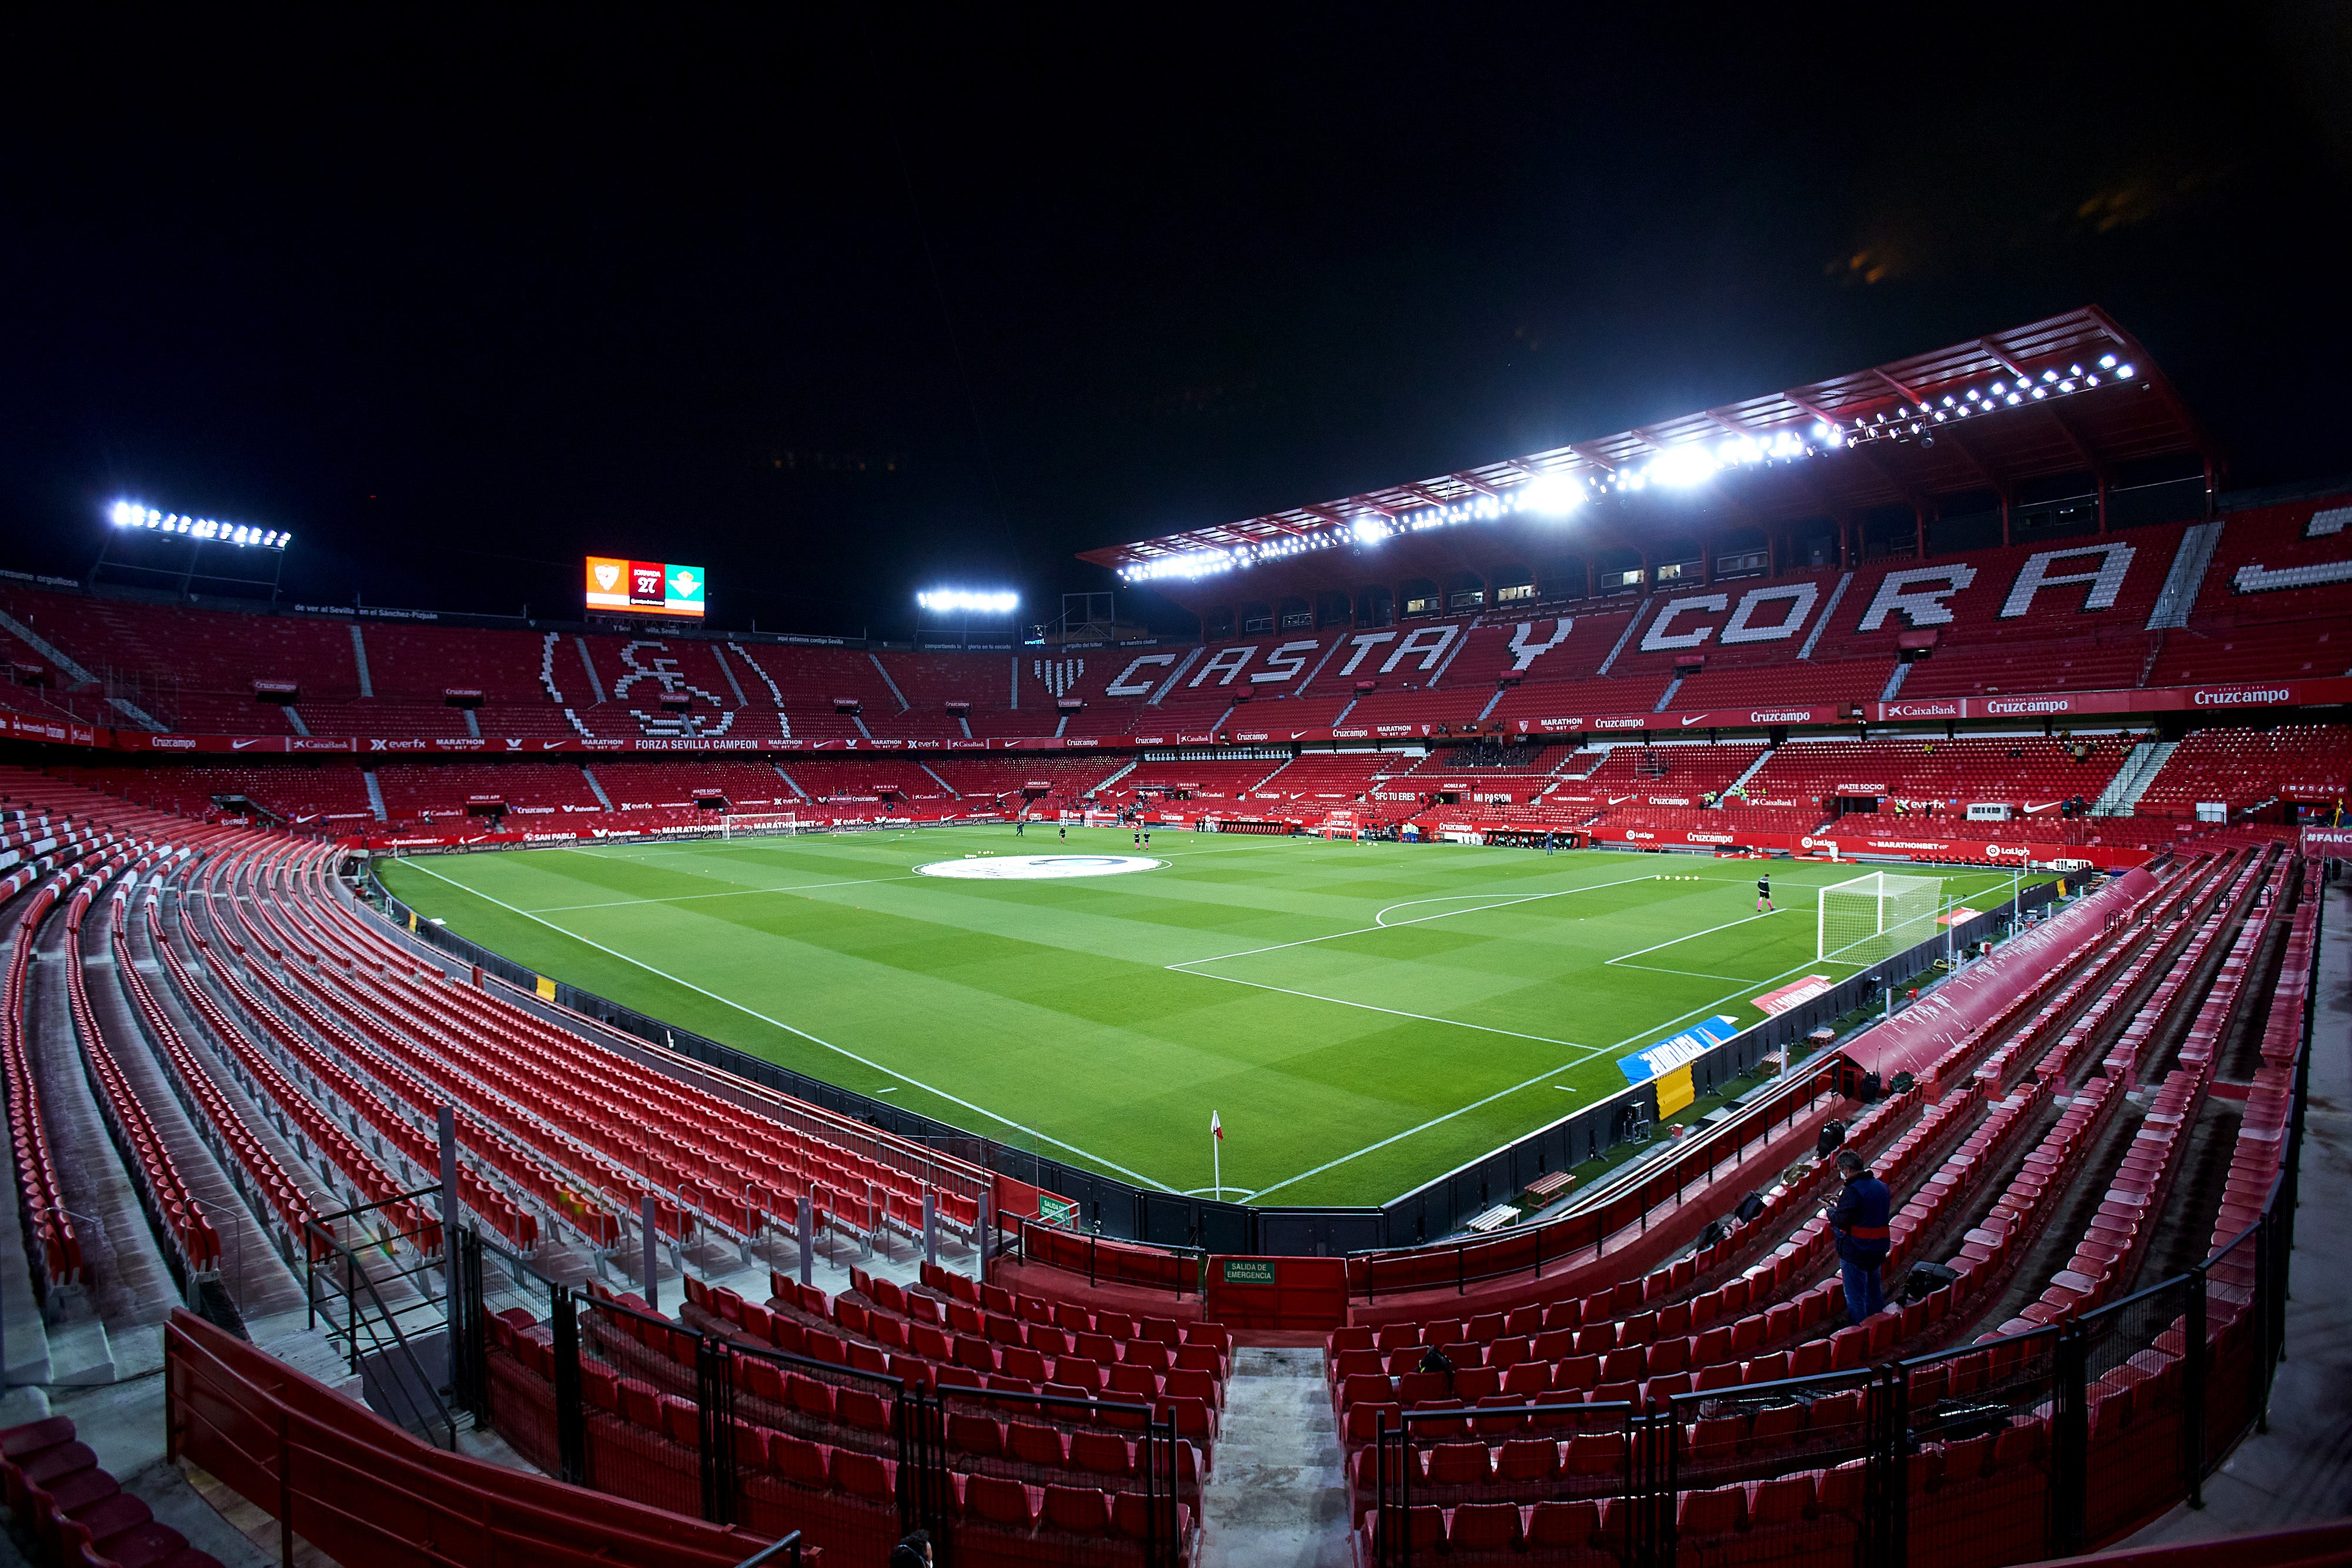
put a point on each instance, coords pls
(1653, 1031)
(803, 1034)
(1509, 900)
(1393, 1012)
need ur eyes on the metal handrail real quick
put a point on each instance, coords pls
(354, 1318)
(791, 1542)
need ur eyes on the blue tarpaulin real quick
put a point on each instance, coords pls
(1678, 1049)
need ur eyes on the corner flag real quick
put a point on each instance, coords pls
(1217, 1153)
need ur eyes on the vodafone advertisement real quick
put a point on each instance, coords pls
(644, 587)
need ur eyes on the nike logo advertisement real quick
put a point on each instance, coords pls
(239, 745)
(1693, 719)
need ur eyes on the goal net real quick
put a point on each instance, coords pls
(754, 824)
(1873, 917)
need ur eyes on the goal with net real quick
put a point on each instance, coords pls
(1873, 917)
(756, 824)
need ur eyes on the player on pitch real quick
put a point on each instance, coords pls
(1764, 893)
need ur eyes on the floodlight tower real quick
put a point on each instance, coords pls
(132, 521)
(953, 611)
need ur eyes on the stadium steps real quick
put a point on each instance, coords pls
(1745, 775)
(1895, 678)
(775, 693)
(2133, 1156)
(360, 662)
(597, 788)
(1667, 697)
(1828, 614)
(2122, 796)
(789, 780)
(588, 663)
(294, 720)
(1631, 624)
(883, 670)
(2186, 580)
(1190, 658)
(943, 783)
(719, 657)
(128, 1285)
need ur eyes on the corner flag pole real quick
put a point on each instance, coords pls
(1217, 1153)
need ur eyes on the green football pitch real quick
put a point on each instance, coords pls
(1362, 1018)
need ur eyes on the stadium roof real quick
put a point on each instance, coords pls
(2072, 394)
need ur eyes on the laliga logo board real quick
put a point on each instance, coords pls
(617, 587)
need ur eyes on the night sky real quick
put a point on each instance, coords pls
(846, 300)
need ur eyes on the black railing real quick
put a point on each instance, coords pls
(347, 1289)
(627, 1402)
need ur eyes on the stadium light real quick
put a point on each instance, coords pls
(1976, 402)
(1551, 496)
(1682, 466)
(131, 515)
(951, 600)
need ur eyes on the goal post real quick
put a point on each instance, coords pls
(758, 824)
(1872, 917)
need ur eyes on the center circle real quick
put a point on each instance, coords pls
(1038, 868)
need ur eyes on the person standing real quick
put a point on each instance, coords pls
(1764, 893)
(1859, 1222)
(1066, 833)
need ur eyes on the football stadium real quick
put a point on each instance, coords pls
(864, 788)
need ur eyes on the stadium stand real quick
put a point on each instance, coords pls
(2306, 763)
(1934, 777)
(2084, 1135)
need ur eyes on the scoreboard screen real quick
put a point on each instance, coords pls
(644, 587)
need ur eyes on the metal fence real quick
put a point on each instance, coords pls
(2039, 1445)
(606, 1396)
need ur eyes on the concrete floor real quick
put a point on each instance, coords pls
(1277, 1497)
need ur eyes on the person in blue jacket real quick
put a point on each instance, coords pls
(1859, 1223)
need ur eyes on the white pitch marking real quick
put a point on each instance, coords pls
(1409, 1131)
(1692, 973)
(802, 1033)
(1417, 919)
(1393, 1012)
(1693, 936)
(737, 892)
(1651, 1032)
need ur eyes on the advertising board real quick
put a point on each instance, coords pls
(616, 587)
